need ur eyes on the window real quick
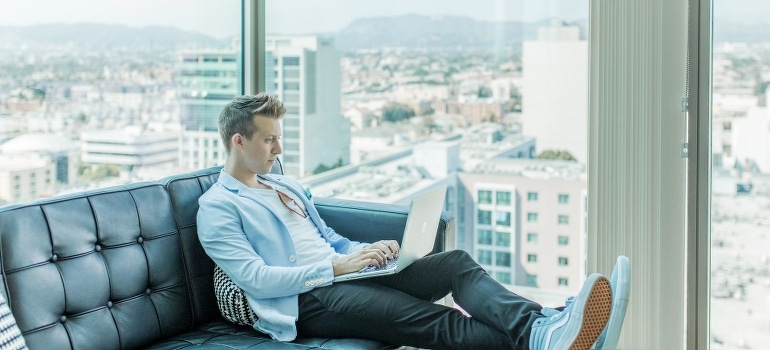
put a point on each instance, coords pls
(563, 261)
(485, 257)
(502, 259)
(531, 280)
(485, 217)
(485, 237)
(503, 277)
(290, 74)
(563, 240)
(563, 198)
(485, 197)
(563, 281)
(563, 220)
(738, 175)
(532, 258)
(531, 196)
(532, 237)
(503, 198)
(290, 86)
(292, 110)
(290, 98)
(178, 83)
(503, 218)
(531, 217)
(291, 61)
(503, 239)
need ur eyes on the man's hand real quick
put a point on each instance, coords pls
(375, 254)
(388, 248)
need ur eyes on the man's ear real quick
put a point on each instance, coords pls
(237, 140)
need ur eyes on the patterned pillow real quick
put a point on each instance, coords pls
(231, 300)
(10, 335)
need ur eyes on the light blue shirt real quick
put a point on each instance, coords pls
(239, 231)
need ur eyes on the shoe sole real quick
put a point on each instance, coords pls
(621, 276)
(595, 313)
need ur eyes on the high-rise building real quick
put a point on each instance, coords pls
(555, 90)
(207, 80)
(525, 221)
(304, 72)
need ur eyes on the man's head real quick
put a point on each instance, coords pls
(250, 129)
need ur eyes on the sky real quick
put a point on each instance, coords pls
(220, 18)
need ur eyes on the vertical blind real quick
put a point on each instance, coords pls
(636, 182)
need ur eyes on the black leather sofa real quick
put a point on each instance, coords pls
(122, 268)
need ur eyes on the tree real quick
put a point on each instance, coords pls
(323, 167)
(556, 155)
(394, 112)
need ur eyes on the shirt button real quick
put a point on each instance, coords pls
(292, 258)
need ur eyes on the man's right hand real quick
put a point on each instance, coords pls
(358, 260)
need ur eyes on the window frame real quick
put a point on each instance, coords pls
(698, 176)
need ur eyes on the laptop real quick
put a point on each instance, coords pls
(419, 235)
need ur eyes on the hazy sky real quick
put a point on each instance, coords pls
(220, 18)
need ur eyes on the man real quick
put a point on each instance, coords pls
(266, 235)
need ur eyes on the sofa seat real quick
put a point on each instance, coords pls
(221, 334)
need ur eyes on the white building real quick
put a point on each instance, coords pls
(555, 90)
(524, 221)
(751, 140)
(306, 78)
(58, 150)
(130, 146)
(26, 177)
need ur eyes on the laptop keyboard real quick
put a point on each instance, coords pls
(390, 265)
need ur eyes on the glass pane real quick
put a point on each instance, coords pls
(406, 96)
(740, 198)
(113, 92)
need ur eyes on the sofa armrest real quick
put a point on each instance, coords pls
(370, 222)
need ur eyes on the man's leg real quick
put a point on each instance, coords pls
(366, 309)
(486, 300)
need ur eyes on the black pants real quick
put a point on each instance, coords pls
(400, 309)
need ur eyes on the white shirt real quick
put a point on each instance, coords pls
(311, 247)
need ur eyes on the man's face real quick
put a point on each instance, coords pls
(259, 152)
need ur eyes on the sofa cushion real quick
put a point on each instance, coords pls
(220, 334)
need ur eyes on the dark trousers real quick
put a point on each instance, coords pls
(400, 309)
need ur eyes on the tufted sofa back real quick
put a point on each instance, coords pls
(96, 270)
(117, 268)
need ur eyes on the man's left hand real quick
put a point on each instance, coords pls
(388, 247)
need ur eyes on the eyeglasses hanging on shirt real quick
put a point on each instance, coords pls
(291, 204)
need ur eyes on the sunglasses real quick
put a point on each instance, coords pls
(290, 204)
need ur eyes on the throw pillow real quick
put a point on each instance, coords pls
(10, 335)
(231, 300)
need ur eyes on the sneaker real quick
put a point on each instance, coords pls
(621, 286)
(578, 326)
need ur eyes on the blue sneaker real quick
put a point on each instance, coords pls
(621, 286)
(580, 323)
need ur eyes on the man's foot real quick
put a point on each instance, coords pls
(578, 326)
(620, 281)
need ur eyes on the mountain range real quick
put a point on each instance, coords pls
(408, 31)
